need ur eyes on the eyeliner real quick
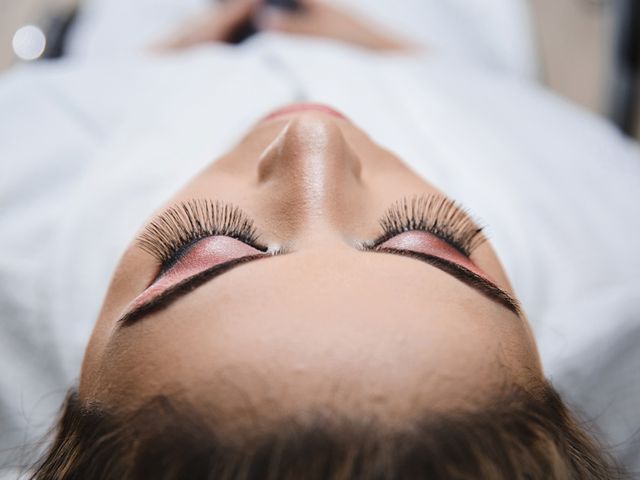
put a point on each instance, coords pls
(187, 285)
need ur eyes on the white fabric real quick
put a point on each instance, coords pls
(557, 188)
(495, 32)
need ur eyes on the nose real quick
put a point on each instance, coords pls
(311, 169)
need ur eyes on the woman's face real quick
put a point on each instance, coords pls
(316, 304)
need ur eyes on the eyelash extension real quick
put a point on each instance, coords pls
(180, 226)
(435, 214)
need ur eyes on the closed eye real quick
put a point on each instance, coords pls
(201, 256)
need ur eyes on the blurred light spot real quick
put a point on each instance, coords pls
(29, 42)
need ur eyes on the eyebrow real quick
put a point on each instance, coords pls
(485, 287)
(478, 283)
(180, 289)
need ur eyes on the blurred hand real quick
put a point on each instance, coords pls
(320, 19)
(215, 25)
(315, 18)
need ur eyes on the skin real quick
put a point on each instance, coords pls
(324, 326)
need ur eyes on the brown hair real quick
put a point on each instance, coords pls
(519, 436)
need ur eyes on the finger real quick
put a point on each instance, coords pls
(280, 20)
(238, 10)
(233, 14)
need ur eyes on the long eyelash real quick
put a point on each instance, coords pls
(180, 226)
(435, 214)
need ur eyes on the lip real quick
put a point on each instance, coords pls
(304, 107)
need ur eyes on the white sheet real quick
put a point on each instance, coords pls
(557, 188)
(492, 32)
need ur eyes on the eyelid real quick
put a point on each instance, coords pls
(429, 244)
(435, 214)
(384, 238)
(172, 232)
(204, 253)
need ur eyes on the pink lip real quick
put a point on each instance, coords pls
(304, 107)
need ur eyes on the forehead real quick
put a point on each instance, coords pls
(358, 325)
